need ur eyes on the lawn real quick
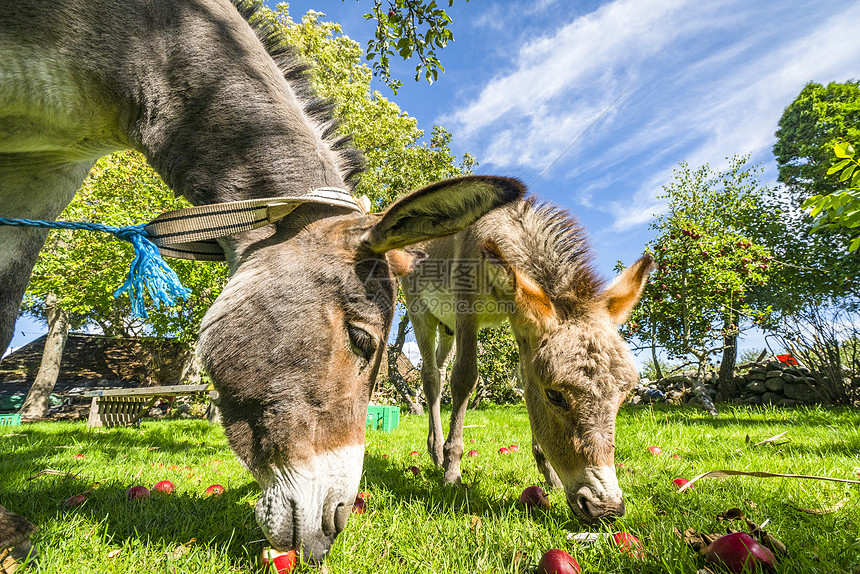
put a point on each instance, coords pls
(413, 523)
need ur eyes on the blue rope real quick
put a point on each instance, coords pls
(147, 268)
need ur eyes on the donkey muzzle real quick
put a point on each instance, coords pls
(596, 495)
(304, 507)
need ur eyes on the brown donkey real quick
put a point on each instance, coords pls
(528, 263)
(294, 341)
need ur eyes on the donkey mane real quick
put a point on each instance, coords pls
(551, 247)
(297, 73)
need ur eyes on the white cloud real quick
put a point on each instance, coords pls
(410, 349)
(710, 81)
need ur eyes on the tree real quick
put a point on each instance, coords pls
(817, 119)
(840, 208)
(697, 301)
(411, 28)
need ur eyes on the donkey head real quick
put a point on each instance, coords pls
(577, 371)
(294, 341)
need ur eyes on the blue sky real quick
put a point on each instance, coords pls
(698, 81)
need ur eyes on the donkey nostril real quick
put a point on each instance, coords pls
(341, 515)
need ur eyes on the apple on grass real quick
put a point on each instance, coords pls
(415, 470)
(215, 489)
(283, 562)
(534, 497)
(137, 493)
(739, 552)
(514, 448)
(75, 500)
(359, 505)
(655, 450)
(557, 561)
(164, 486)
(679, 482)
(628, 544)
(473, 453)
(504, 450)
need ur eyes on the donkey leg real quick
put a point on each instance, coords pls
(464, 377)
(425, 327)
(28, 190)
(544, 466)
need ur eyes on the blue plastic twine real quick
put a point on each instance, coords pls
(147, 268)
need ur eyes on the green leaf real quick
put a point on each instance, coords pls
(846, 173)
(855, 244)
(838, 166)
(843, 149)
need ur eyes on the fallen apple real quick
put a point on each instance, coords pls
(79, 456)
(514, 448)
(413, 453)
(628, 544)
(557, 561)
(473, 453)
(679, 482)
(283, 562)
(415, 470)
(75, 500)
(164, 486)
(215, 489)
(534, 497)
(359, 505)
(738, 552)
(504, 450)
(137, 492)
(655, 450)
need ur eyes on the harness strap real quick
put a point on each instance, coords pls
(190, 233)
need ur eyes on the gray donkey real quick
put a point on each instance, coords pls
(295, 339)
(528, 263)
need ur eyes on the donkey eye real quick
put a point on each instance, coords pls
(362, 342)
(556, 398)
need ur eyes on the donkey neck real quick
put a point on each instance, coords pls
(218, 120)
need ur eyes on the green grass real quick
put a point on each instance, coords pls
(414, 524)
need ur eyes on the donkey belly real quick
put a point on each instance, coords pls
(47, 110)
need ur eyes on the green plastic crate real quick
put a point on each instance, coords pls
(10, 420)
(384, 418)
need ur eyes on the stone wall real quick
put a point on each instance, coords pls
(766, 382)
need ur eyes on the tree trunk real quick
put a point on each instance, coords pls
(394, 376)
(700, 390)
(726, 381)
(38, 399)
(192, 368)
(657, 371)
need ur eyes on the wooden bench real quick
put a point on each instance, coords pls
(124, 407)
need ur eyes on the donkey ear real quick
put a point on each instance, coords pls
(440, 209)
(404, 261)
(624, 293)
(531, 300)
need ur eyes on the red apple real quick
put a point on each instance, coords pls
(473, 453)
(628, 544)
(514, 448)
(556, 561)
(504, 450)
(415, 470)
(676, 457)
(79, 456)
(75, 500)
(534, 496)
(284, 562)
(215, 489)
(738, 553)
(679, 482)
(136, 492)
(358, 506)
(655, 450)
(413, 453)
(164, 486)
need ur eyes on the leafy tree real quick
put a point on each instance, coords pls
(697, 301)
(840, 208)
(410, 28)
(817, 119)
